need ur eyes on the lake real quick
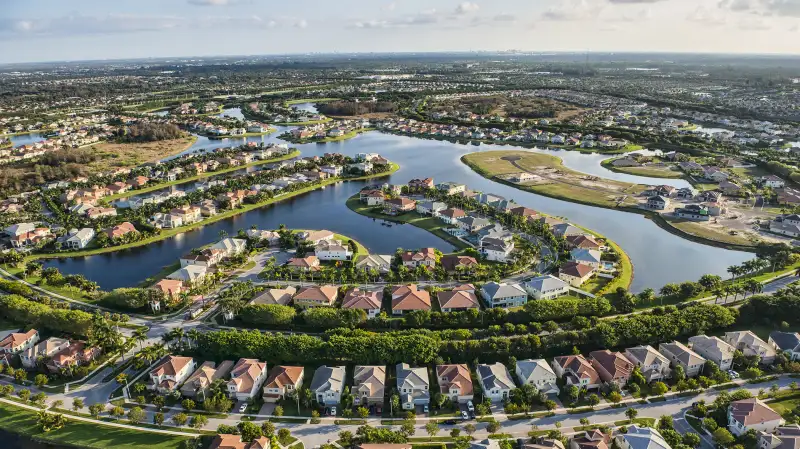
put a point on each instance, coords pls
(658, 256)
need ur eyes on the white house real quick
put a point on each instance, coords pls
(190, 274)
(504, 295)
(246, 379)
(413, 385)
(43, 349)
(752, 414)
(495, 380)
(750, 344)
(546, 287)
(18, 341)
(430, 207)
(641, 438)
(653, 365)
(380, 262)
(327, 384)
(497, 250)
(332, 250)
(589, 257)
(171, 373)
(231, 247)
(537, 373)
(79, 239)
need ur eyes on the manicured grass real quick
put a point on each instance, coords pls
(427, 223)
(645, 422)
(85, 435)
(696, 423)
(327, 139)
(650, 171)
(167, 233)
(153, 187)
(63, 290)
(786, 404)
(164, 272)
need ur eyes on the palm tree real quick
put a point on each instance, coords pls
(734, 270)
(139, 336)
(753, 286)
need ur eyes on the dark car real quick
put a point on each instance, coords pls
(449, 422)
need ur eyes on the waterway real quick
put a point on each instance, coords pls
(308, 107)
(232, 113)
(658, 256)
(13, 441)
(25, 139)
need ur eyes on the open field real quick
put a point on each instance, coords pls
(553, 179)
(653, 171)
(429, 224)
(81, 434)
(710, 231)
(120, 155)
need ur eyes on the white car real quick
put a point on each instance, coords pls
(470, 406)
(243, 408)
(333, 411)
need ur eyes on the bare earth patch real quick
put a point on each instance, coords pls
(123, 155)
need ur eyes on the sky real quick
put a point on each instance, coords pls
(57, 30)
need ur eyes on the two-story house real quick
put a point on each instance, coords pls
(246, 379)
(576, 370)
(199, 382)
(327, 384)
(750, 344)
(282, 381)
(18, 341)
(681, 355)
(44, 349)
(539, 373)
(713, 349)
(413, 386)
(653, 365)
(455, 382)
(367, 300)
(546, 287)
(786, 342)
(752, 414)
(369, 385)
(504, 295)
(171, 373)
(407, 298)
(613, 367)
(495, 380)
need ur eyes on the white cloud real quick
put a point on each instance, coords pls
(390, 6)
(302, 23)
(629, 2)
(573, 10)
(467, 7)
(211, 2)
(704, 16)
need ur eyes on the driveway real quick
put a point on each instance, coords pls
(267, 408)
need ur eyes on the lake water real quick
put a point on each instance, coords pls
(308, 107)
(658, 256)
(14, 441)
(25, 139)
(233, 113)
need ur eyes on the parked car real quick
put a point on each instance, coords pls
(243, 408)
(470, 406)
(733, 374)
(333, 411)
(464, 415)
(425, 409)
(449, 422)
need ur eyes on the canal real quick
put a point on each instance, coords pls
(658, 256)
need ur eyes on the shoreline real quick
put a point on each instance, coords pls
(657, 218)
(162, 185)
(346, 136)
(228, 214)
(607, 165)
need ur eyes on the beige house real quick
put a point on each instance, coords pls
(406, 298)
(369, 384)
(283, 381)
(19, 341)
(455, 382)
(43, 349)
(282, 296)
(172, 372)
(246, 379)
(713, 349)
(750, 344)
(196, 386)
(679, 354)
(316, 296)
(752, 414)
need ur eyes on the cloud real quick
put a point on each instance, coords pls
(390, 6)
(706, 17)
(504, 18)
(211, 2)
(467, 8)
(736, 5)
(573, 10)
(638, 16)
(753, 24)
(777, 8)
(427, 17)
(302, 23)
(632, 2)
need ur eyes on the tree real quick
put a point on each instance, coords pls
(469, 429)
(346, 438)
(284, 434)
(493, 426)
(159, 402)
(659, 388)
(432, 428)
(723, 437)
(40, 380)
(38, 399)
(117, 412)
(278, 411)
(631, 413)
(24, 394)
(455, 432)
(315, 417)
(593, 399)
(136, 415)
(95, 410)
(407, 428)
(249, 431)
(180, 419)
(691, 439)
(268, 429)
(158, 419)
(50, 421)
(614, 397)
(188, 404)
(199, 421)
(77, 404)
(362, 412)
(665, 422)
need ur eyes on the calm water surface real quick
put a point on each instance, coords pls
(658, 256)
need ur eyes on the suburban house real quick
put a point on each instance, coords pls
(657, 202)
(653, 365)
(413, 386)
(406, 298)
(591, 439)
(382, 263)
(772, 181)
(786, 342)
(539, 373)
(227, 441)
(282, 296)
(119, 230)
(78, 239)
(42, 350)
(367, 300)
(75, 354)
(423, 184)
(314, 237)
(369, 385)
(680, 355)
(565, 230)
(205, 258)
(495, 380)
(19, 341)
(546, 287)
(752, 414)
(472, 224)
(397, 206)
(327, 384)
(584, 242)
(305, 264)
(542, 442)
(613, 367)
(456, 264)
(586, 256)
(750, 344)
(576, 370)
(425, 257)
(230, 247)
(504, 295)
(282, 381)
(172, 372)
(316, 296)
(190, 274)
(497, 250)
(246, 379)
(641, 438)
(372, 197)
(198, 383)
(332, 250)
(430, 207)
(713, 349)
(451, 216)
(455, 382)
(575, 273)
(451, 188)
(459, 298)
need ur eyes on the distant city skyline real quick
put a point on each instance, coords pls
(56, 30)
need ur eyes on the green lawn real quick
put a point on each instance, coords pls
(84, 435)
(786, 403)
(427, 223)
